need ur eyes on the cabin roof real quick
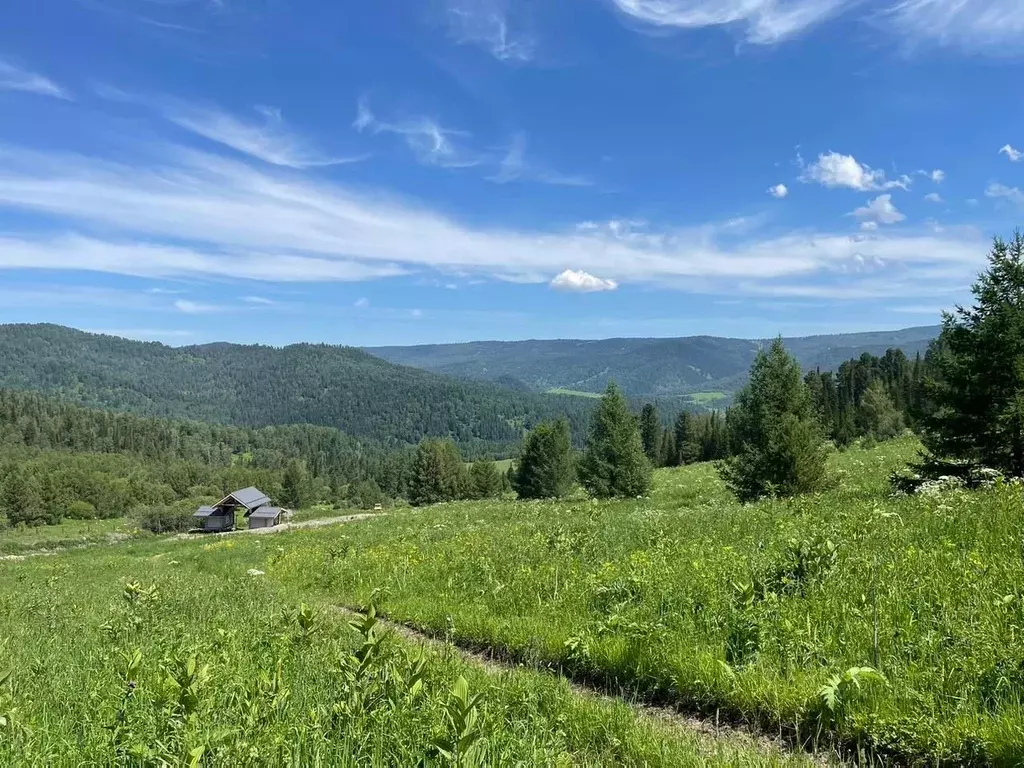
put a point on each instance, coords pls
(267, 512)
(204, 512)
(250, 498)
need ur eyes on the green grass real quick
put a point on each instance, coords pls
(744, 612)
(168, 652)
(706, 398)
(573, 393)
(693, 598)
(69, 533)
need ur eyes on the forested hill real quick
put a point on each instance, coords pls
(255, 386)
(642, 367)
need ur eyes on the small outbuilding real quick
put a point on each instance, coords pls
(265, 517)
(221, 516)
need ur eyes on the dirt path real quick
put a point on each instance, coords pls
(710, 732)
(113, 539)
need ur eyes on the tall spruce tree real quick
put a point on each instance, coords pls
(295, 485)
(484, 480)
(650, 432)
(775, 432)
(977, 384)
(545, 468)
(438, 473)
(687, 449)
(668, 456)
(614, 463)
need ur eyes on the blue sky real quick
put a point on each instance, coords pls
(388, 173)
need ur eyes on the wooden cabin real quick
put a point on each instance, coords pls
(221, 516)
(265, 517)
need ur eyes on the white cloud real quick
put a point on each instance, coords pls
(430, 142)
(196, 308)
(779, 191)
(1013, 194)
(764, 21)
(484, 23)
(1014, 154)
(869, 226)
(361, 303)
(938, 175)
(258, 300)
(879, 210)
(269, 140)
(832, 170)
(13, 78)
(231, 219)
(581, 282)
(992, 27)
(515, 167)
(933, 197)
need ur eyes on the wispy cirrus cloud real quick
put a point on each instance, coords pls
(515, 166)
(13, 78)
(1003, 192)
(485, 24)
(429, 141)
(833, 169)
(991, 27)
(197, 308)
(201, 215)
(763, 21)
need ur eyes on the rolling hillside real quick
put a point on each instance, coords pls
(257, 386)
(662, 368)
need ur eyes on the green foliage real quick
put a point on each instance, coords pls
(977, 387)
(81, 510)
(546, 468)
(614, 463)
(168, 518)
(295, 490)
(780, 450)
(21, 500)
(484, 480)
(439, 473)
(881, 419)
(258, 386)
(650, 433)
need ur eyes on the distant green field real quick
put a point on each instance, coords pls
(573, 392)
(705, 398)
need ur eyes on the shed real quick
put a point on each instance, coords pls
(265, 517)
(221, 516)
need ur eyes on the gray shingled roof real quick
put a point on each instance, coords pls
(250, 498)
(268, 512)
(204, 512)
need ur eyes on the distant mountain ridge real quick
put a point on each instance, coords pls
(654, 368)
(258, 386)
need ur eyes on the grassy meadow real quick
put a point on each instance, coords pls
(892, 626)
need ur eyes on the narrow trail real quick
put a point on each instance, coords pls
(709, 732)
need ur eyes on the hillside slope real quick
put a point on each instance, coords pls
(643, 367)
(257, 386)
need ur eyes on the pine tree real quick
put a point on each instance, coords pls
(667, 456)
(614, 463)
(484, 480)
(687, 449)
(21, 499)
(294, 485)
(780, 450)
(438, 473)
(881, 418)
(546, 466)
(650, 432)
(977, 385)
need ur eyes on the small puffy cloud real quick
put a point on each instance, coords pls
(938, 176)
(581, 282)
(933, 197)
(1013, 194)
(879, 210)
(195, 308)
(1014, 154)
(361, 303)
(779, 191)
(869, 226)
(833, 170)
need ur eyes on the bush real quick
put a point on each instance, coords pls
(168, 518)
(80, 510)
